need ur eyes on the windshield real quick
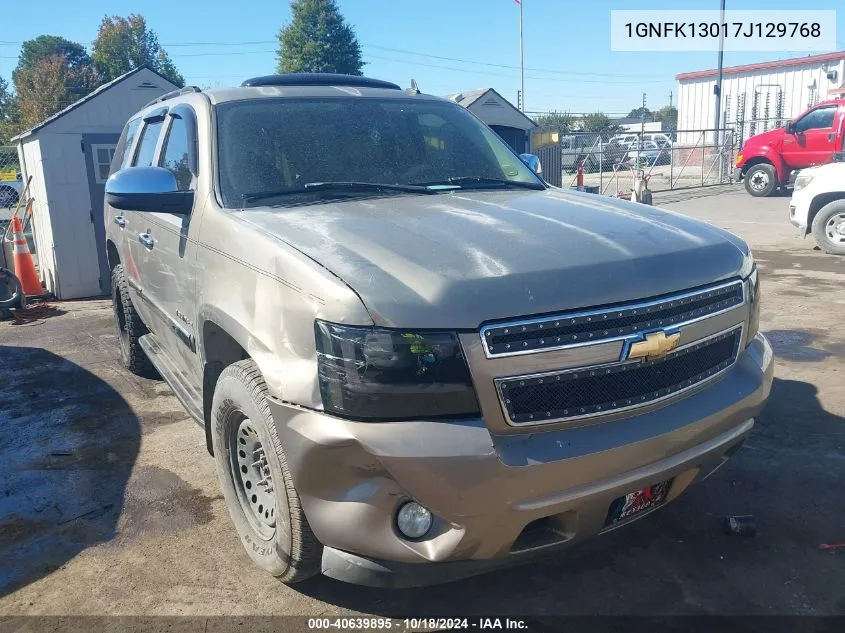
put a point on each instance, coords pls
(281, 145)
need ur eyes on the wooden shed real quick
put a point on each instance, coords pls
(68, 156)
(500, 114)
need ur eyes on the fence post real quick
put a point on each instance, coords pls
(601, 164)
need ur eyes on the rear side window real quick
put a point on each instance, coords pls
(147, 144)
(124, 145)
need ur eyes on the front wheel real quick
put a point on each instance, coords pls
(761, 180)
(829, 228)
(255, 479)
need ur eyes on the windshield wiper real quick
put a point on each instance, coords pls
(350, 187)
(479, 182)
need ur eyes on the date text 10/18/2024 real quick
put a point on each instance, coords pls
(418, 624)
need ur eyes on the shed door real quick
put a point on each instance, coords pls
(99, 150)
(512, 136)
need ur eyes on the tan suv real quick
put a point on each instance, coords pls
(413, 360)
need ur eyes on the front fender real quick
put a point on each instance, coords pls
(770, 155)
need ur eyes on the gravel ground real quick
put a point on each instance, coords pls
(109, 503)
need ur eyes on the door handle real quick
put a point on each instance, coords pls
(120, 221)
(146, 239)
(830, 137)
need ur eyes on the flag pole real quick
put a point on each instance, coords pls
(521, 61)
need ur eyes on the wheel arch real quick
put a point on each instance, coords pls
(818, 203)
(112, 255)
(222, 341)
(766, 159)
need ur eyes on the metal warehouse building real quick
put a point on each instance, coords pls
(760, 96)
(68, 157)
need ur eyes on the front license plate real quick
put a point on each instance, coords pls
(637, 502)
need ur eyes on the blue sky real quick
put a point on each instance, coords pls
(217, 42)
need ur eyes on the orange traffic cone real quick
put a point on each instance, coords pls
(24, 266)
(579, 177)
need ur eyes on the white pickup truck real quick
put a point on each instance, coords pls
(818, 205)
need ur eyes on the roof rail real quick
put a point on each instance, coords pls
(174, 93)
(318, 79)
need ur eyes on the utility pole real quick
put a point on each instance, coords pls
(718, 87)
(670, 98)
(642, 119)
(521, 59)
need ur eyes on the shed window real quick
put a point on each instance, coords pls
(102, 156)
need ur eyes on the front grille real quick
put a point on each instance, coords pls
(589, 391)
(572, 329)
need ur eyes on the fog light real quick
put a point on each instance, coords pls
(413, 520)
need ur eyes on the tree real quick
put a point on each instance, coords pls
(81, 77)
(318, 40)
(600, 123)
(668, 117)
(639, 113)
(124, 44)
(42, 89)
(562, 120)
(8, 113)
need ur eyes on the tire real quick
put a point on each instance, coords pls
(829, 228)
(761, 180)
(8, 197)
(129, 326)
(241, 421)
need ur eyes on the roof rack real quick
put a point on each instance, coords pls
(174, 93)
(318, 79)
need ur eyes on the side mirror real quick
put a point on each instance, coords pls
(790, 127)
(532, 162)
(151, 189)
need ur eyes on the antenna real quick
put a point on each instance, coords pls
(414, 89)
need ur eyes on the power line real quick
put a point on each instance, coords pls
(389, 49)
(492, 74)
(469, 61)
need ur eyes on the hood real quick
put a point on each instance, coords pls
(829, 169)
(772, 138)
(455, 260)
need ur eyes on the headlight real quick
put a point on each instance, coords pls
(802, 181)
(753, 290)
(375, 373)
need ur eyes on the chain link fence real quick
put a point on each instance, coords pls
(670, 160)
(11, 184)
(11, 190)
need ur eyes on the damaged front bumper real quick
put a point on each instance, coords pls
(499, 500)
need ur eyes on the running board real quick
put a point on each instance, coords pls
(190, 398)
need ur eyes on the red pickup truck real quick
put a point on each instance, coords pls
(766, 161)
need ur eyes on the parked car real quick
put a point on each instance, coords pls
(646, 154)
(412, 359)
(589, 151)
(10, 191)
(661, 139)
(768, 160)
(818, 205)
(624, 139)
